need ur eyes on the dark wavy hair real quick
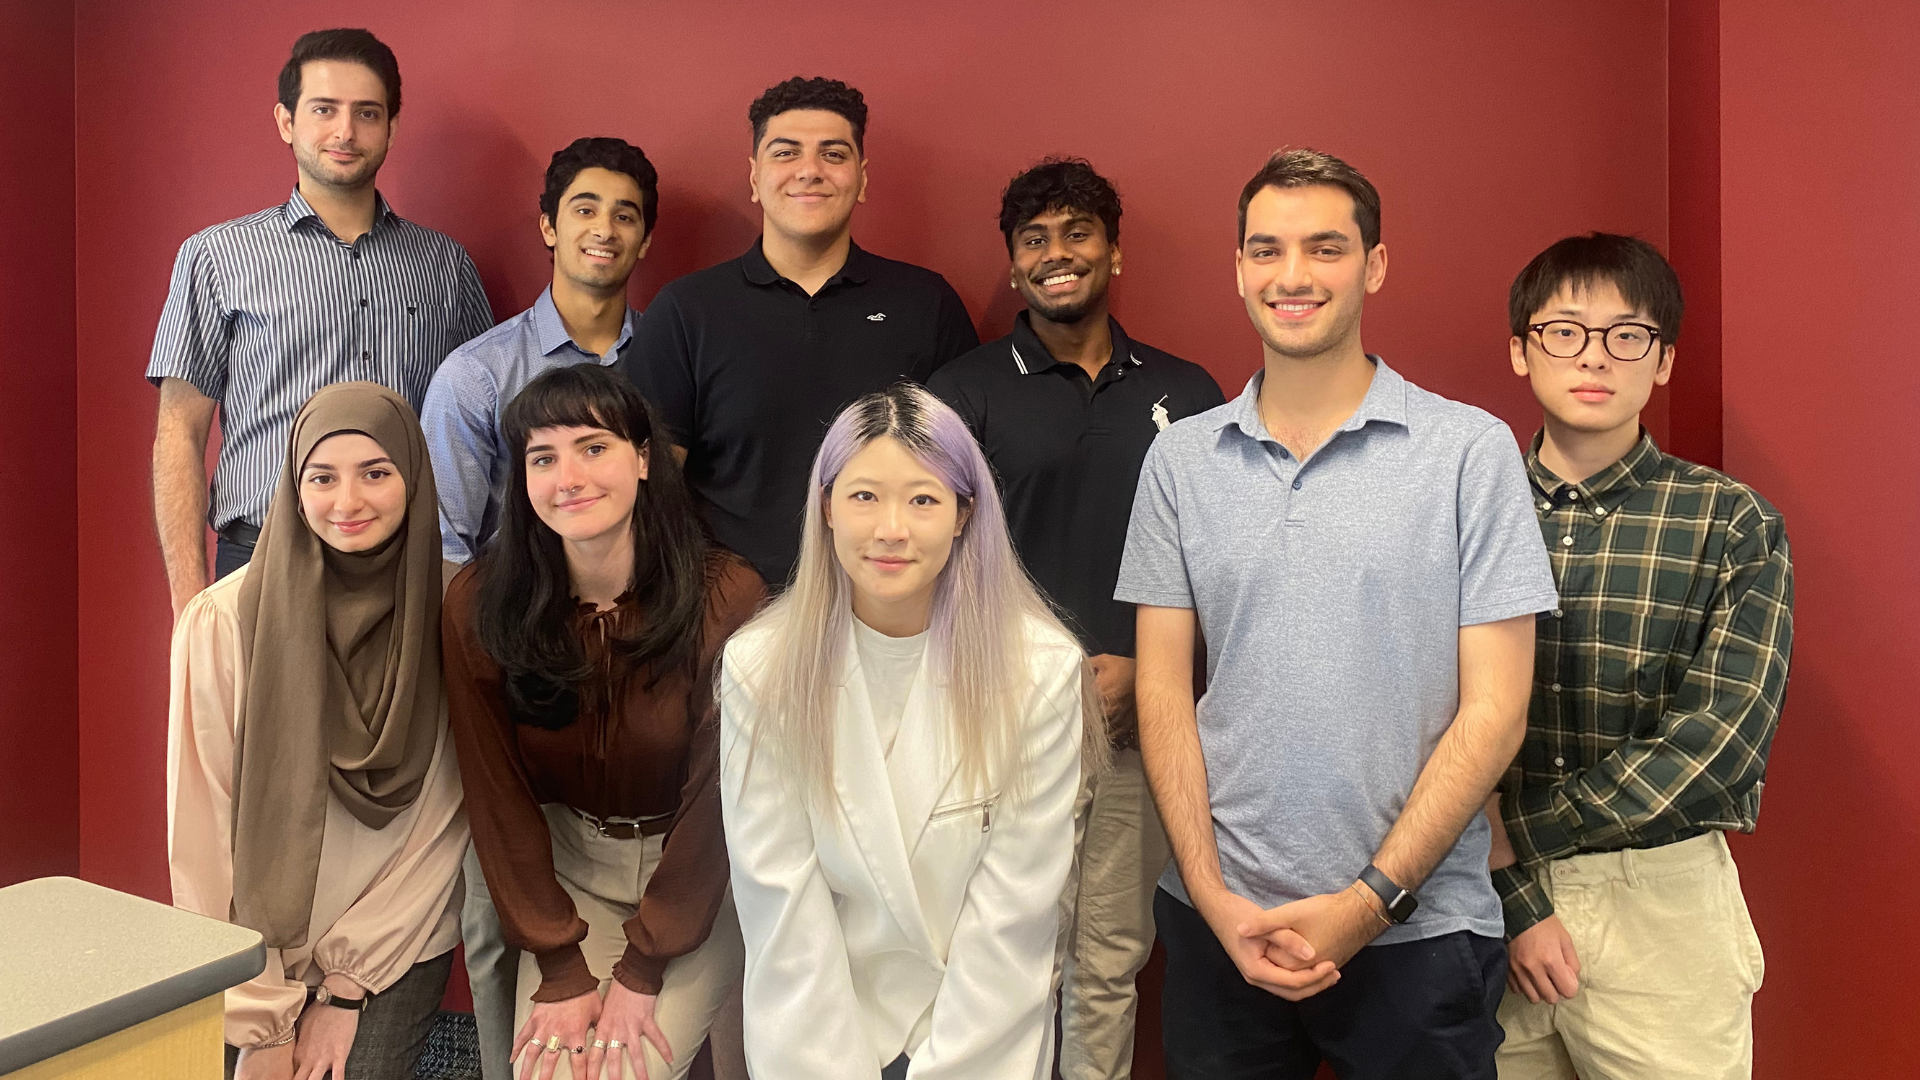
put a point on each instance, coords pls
(1059, 183)
(829, 95)
(355, 46)
(1644, 277)
(525, 609)
(613, 155)
(1305, 168)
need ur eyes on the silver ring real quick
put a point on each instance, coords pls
(615, 1044)
(599, 1044)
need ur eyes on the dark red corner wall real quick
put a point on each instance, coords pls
(1443, 105)
(39, 749)
(1790, 186)
(1820, 194)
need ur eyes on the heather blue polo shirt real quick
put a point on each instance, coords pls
(1331, 594)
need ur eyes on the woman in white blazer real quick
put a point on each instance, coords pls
(904, 735)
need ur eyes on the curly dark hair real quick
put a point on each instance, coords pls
(352, 45)
(1059, 183)
(613, 155)
(830, 95)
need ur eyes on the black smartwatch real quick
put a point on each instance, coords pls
(324, 996)
(1400, 903)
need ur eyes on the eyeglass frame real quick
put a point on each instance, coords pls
(1653, 338)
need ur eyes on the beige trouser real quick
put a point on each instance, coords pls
(1669, 964)
(605, 878)
(1121, 858)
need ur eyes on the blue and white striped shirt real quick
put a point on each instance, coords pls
(471, 459)
(266, 309)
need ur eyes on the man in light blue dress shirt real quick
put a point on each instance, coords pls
(596, 214)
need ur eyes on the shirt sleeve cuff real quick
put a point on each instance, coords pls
(1522, 900)
(639, 972)
(1540, 830)
(563, 974)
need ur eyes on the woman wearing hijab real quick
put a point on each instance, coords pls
(580, 650)
(904, 735)
(313, 793)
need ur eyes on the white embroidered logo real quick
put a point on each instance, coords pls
(1160, 417)
(878, 316)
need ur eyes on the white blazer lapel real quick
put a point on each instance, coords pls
(866, 790)
(923, 759)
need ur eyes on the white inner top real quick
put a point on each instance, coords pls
(890, 664)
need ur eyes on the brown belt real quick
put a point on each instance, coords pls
(625, 828)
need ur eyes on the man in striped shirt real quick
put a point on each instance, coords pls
(328, 287)
(1657, 689)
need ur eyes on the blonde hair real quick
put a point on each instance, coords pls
(983, 603)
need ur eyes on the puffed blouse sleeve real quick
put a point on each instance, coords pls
(202, 697)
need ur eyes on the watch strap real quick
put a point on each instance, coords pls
(1399, 902)
(324, 996)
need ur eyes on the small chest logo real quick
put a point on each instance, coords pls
(878, 316)
(1160, 417)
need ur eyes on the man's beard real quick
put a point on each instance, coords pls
(319, 168)
(1066, 314)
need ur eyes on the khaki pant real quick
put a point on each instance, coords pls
(605, 879)
(1121, 858)
(1669, 964)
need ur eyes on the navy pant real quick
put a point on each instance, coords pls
(1419, 1010)
(229, 556)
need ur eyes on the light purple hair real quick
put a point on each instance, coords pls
(983, 606)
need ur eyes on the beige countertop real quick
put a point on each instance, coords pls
(79, 961)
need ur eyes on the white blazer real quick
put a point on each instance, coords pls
(924, 925)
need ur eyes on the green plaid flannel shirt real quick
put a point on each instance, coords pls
(1657, 682)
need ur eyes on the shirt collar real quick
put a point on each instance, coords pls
(550, 331)
(1030, 354)
(761, 272)
(1611, 484)
(298, 210)
(1386, 401)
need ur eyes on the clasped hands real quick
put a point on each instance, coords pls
(618, 1022)
(1295, 950)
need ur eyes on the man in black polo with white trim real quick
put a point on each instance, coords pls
(750, 360)
(1065, 408)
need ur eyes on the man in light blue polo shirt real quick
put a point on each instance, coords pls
(1361, 559)
(596, 214)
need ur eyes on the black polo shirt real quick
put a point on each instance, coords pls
(1068, 449)
(747, 370)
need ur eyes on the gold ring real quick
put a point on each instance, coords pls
(553, 1044)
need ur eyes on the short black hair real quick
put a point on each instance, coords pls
(355, 46)
(1059, 183)
(829, 95)
(613, 155)
(1644, 277)
(1306, 168)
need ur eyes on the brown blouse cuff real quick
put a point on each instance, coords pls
(639, 972)
(563, 974)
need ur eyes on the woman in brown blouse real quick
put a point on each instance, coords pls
(579, 652)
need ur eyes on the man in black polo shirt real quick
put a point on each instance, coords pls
(748, 361)
(1065, 407)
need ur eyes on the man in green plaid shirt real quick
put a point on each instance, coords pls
(1657, 689)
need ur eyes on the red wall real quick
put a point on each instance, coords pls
(39, 802)
(1820, 190)
(1442, 105)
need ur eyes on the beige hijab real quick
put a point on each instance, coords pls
(342, 655)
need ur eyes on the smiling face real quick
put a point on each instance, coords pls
(894, 522)
(1062, 264)
(807, 174)
(350, 494)
(600, 234)
(1304, 271)
(583, 481)
(1591, 393)
(339, 129)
